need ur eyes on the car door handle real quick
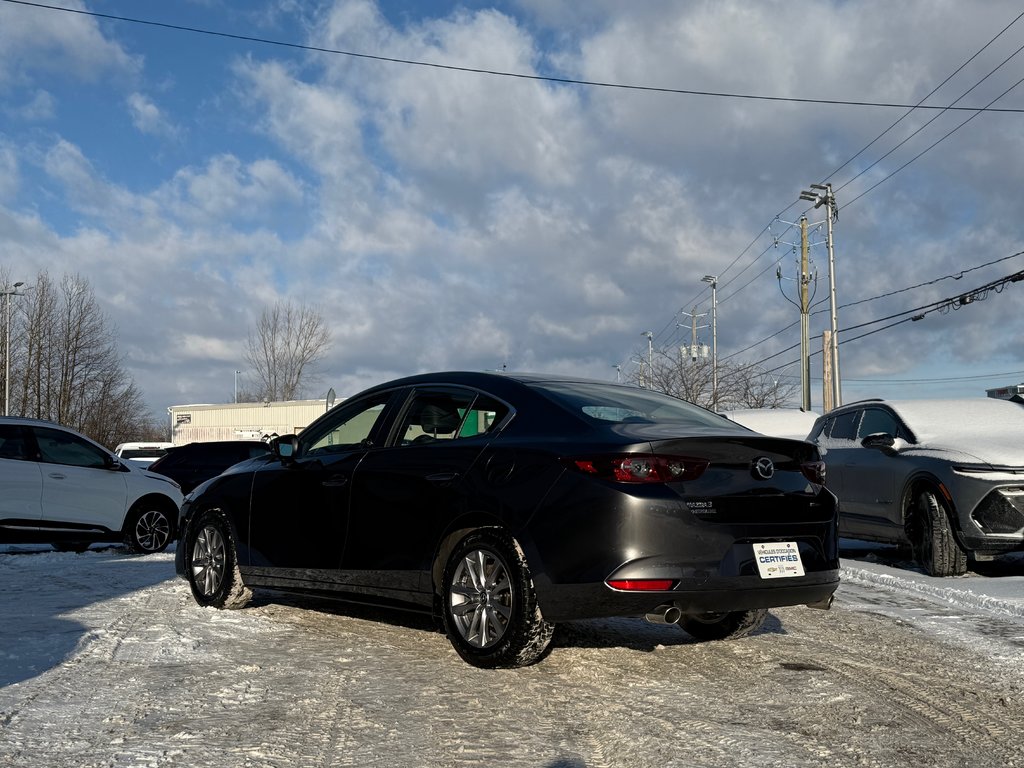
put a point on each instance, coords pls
(443, 478)
(336, 481)
(58, 476)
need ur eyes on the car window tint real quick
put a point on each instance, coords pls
(13, 443)
(58, 447)
(349, 428)
(433, 416)
(877, 420)
(844, 427)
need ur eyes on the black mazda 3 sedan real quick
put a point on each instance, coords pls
(505, 504)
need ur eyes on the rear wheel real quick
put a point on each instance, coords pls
(211, 563)
(148, 529)
(931, 537)
(490, 609)
(723, 626)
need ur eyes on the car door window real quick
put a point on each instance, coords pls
(433, 416)
(877, 420)
(13, 443)
(350, 428)
(484, 415)
(58, 447)
(844, 427)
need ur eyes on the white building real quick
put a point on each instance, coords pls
(241, 421)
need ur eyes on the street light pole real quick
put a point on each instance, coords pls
(713, 280)
(236, 385)
(827, 198)
(7, 292)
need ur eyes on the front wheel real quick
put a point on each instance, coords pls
(931, 537)
(491, 615)
(211, 563)
(148, 529)
(723, 626)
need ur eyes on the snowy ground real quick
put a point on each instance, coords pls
(105, 660)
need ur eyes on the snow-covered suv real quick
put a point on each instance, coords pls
(59, 487)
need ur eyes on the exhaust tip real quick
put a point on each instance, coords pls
(664, 614)
(822, 605)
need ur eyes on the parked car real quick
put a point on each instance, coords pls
(509, 503)
(944, 476)
(58, 486)
(141, 453)
(194, 463)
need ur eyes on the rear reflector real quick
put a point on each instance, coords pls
(641, 585)
(640, 467)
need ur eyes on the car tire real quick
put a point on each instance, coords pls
(931, 537)
(211, 563)
(723, 626)
(490, 609)
(148, 528)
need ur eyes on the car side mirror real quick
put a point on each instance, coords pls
(882, 441)
(285, 447)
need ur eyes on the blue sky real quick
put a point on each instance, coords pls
(443, 219)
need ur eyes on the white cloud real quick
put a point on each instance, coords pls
(37, 41)
(147, 117)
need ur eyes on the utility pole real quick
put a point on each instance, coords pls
(828, 199)
(713, 280)
(805, 319)
(827, 403)
(650, 358)
(694, 349)
(7, 292)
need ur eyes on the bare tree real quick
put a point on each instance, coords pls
(66, 367)
(283, 350)
(740, 385)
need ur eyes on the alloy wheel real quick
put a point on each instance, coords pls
(209, 555)
(481, 598)
(152, 531)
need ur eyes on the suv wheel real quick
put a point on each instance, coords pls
(211, 563)
(148, 528)
(723, 626)
(932, 539)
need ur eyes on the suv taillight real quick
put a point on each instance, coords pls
(640, 467)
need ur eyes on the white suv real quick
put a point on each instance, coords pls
(60, 487)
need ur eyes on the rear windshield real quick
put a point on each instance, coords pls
(142, 453)
(608, 403)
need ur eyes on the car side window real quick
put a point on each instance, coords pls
(844, 427)
(433, 416)
(877, 420)
(58, 447)
(13, 443)
(483, 416)
(349, 429)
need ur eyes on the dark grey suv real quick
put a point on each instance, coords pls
(945, 476)
(195, 463)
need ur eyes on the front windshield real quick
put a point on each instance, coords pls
(614, 404)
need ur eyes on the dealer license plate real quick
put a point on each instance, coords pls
(778, 559)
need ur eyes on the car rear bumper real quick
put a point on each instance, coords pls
(568, 602)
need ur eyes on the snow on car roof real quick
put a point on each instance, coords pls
(961, 422)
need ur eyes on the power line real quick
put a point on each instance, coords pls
(501, 73)
(919, 105)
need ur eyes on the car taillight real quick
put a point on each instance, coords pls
(814, 471)
(641, 585)
(640, 467)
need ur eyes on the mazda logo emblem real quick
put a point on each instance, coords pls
(763, 468)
